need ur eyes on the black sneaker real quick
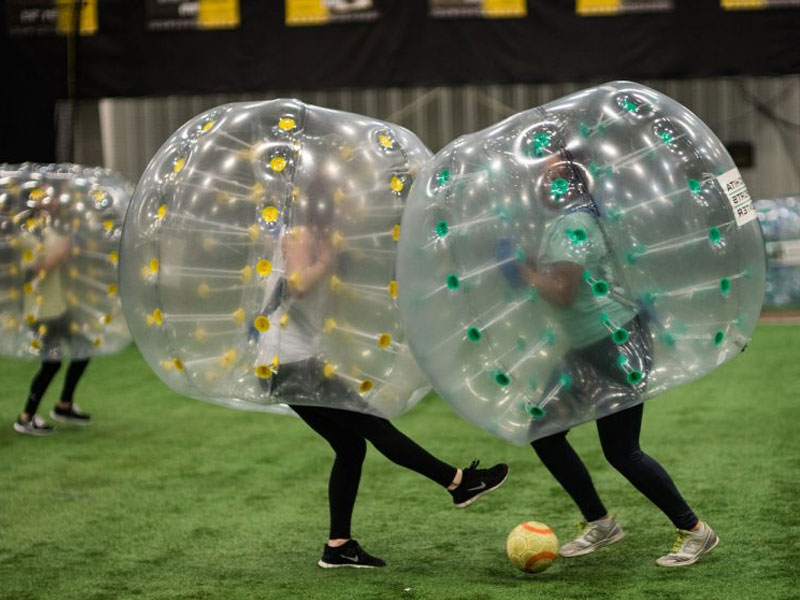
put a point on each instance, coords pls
(34, 426)
(349, 554)
(73, 414)
(476, 482)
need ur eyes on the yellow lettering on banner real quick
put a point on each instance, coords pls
(66, 16)
(744, 4)
(218, 14)
(306, 12)
(505, 8)
(598, 7)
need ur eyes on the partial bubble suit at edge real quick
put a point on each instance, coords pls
(577, 259)
(780, 223)
(60, 227)
(258, 259)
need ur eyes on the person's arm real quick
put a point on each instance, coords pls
(559, 286)
(55, 257)
(305, 278)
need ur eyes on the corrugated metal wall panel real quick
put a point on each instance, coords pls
(133, 129)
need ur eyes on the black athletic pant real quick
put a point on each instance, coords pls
(347, 431)
(41, 381)
(619, 437)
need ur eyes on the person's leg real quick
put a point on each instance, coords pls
(619, 436)
(565, 465)
(65, 410)
(345, 474)
(41, 381)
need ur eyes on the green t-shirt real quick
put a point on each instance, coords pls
(576, 238)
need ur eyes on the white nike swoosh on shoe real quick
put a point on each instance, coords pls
(351, 558)
(480, 487)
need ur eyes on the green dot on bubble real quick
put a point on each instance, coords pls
(587, 275)
(577, 236)
(442, 229)
(548, 336)
(718, 337)
(620, 336)
(622, 360)
(715, 235)
(668, 338)
(537, 412)
(630, 106)
(635, 377)
(521, 343)
(443, 177)
(501, 379)
(666, 137)
(565, 380)
(533, 384)
(519, 254)
(453, 281)
(474, 334)
(724, 285)
(559, 187)
(694, 186)
(533, 295)
(585, 130)
(600, 288)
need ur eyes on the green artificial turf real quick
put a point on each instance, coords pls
(167, 497)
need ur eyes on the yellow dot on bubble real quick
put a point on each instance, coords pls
(161, 212)
(393, 289)
(108, 225)
(112, 289)
(75, 251)
(42, 330)
(13, 293)
(210, 377)
(336, 283)
(207, 126)
(72, 299)
(396, 232)
(148, 318)
(337, 240)
(30, 319)
(178, 165)
(264, 267)
(270, 214)
(346, 153)
(200, 334)
(74, 327)
(330, 325)
(10, 323)
(264, 371)
(338, 196)
(27, 256)
(30, 223)
(27, 288)
(158, 316)
(176, 362)
(39, 300)
(96, 342)
(37, 194)
(261, 323)
(397, 184)
(153, 265)
(113, 257)
(385, 141)
(203, 291)
(294, 280)
(228, 358)
(13, 270)
(384, 340)
(287, 124)
(238, 315)
(36, 345)
(277, 164)
(246, 274)
(257, 191)
(365, 386)
(107, 319)
(253, 232)
(209, 244)
(329, 370)
(284, 320)
(276, 362)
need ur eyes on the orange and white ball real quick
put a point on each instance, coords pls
(532, 547)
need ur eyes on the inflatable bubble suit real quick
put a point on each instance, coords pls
(576, 259)
(258, 259)
(780, 222)
(60, 227)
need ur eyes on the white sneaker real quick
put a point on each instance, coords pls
(689, 546)
(594, 535)
(34, 426)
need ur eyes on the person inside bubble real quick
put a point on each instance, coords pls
(45, 252)
(608, 365)
(307, 257)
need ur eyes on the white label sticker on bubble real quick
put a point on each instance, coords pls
(737, 194)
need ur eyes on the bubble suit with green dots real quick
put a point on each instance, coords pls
(258, 259)
(780, 223)
(577, 259)
(60, 227)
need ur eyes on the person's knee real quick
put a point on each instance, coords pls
(551, 443)
(352, 450)
(622, 457)
(49, 368)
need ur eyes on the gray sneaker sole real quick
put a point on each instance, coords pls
(62, 419)
(466, 503)
(34, 432)
(691, 561)
(325, 565)
(601, 544)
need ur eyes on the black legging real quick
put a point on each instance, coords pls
(41, 381)
(619, 431)
(347, 432)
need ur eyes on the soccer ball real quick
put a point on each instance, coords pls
(532, 547)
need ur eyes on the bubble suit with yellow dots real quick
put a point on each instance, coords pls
(576, 259)
(258, 259)
(60, 228)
